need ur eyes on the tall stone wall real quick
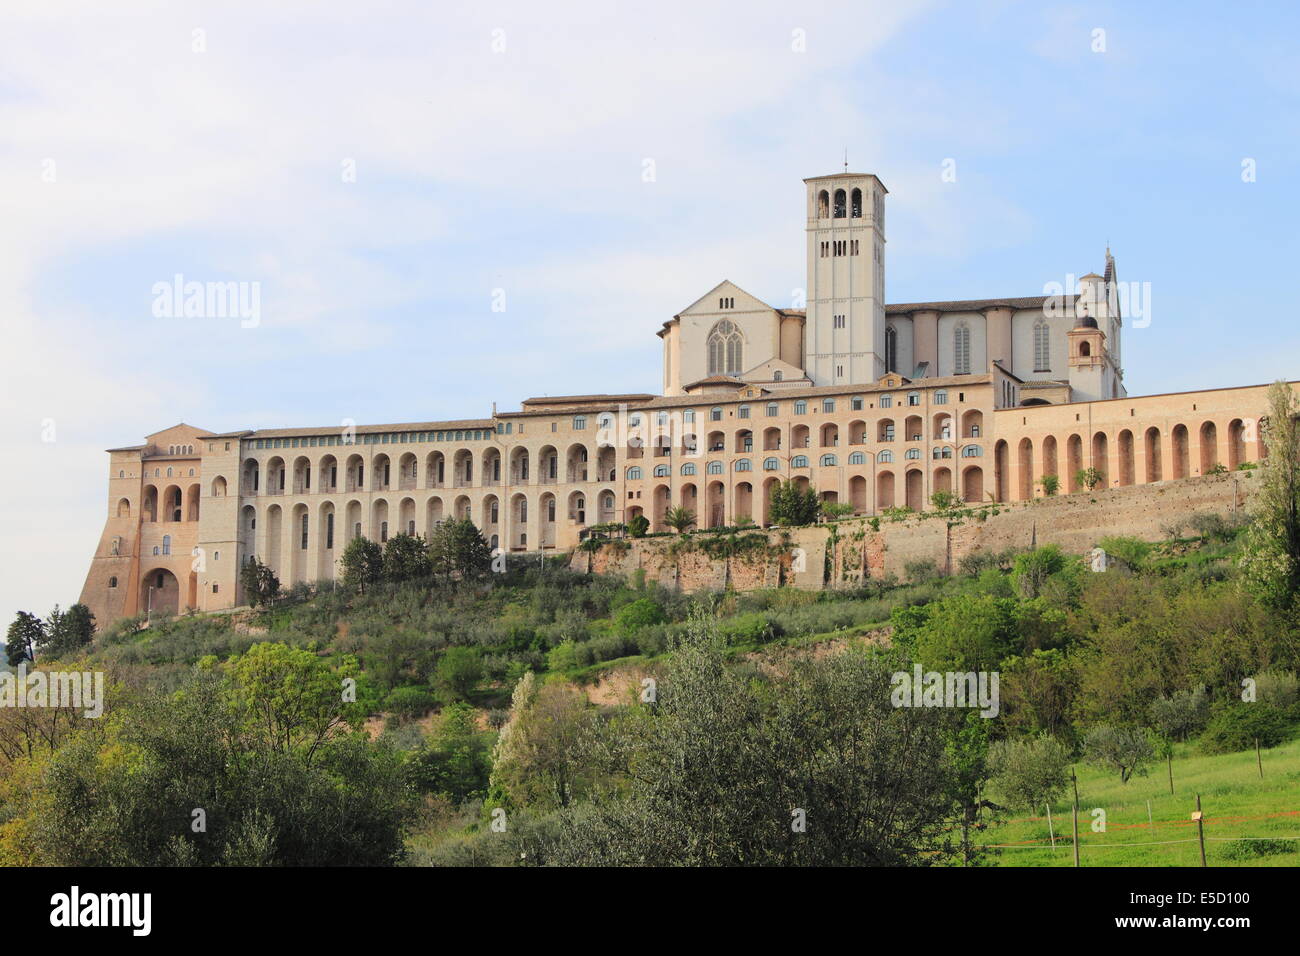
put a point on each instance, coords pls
(860, 550)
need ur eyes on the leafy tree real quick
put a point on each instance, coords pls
(640, 613)
(458, 671)
(679, 519)
(944, 500)
(1126, 750)
(1182, 714)
(968, 632)
(1037, 691)
(455, 760)
(24, 634)
(1032, 569)
(1270, 561)
(814, 767)
(259, 582)
(793, 507)
(638, 526)
(459, 550)
(363, 564)
(1132, 552)
(539, 761)
(67, 631)
(1030, 772)
(1090, 478)
(1238, 727)
(406, 558)
(1050, 484)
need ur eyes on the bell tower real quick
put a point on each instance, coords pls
(844, 341)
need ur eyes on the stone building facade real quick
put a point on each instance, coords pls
(875, 405)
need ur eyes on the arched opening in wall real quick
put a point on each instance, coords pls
(1181, 454)
(406, 517)
(716, 441)
(173, 504)
(1050, 466)
(1025, 470)
(435, 468)
(801, 483)
(381, 472)
(823, 205)
(885, 430)
(248, 477)
(661, 499)
(576, 461)
(124, 508)
(717, 504)
(160, 592)
(942, 429)
(547, 504)
(855, 203)
(943, 479)
(765, 503)
(972, 484)
(548, 461)
(743, 507)
(830, 435)
(799, 437)
(491, 513)
(329, 475)
(1100, 458)
(408, 472)
(247, 533)
(913, 429)
(275, 472)
(885, 490)
(607, 463)
(356, 472)
(325, 535)
(606, 507)
(691, 502)
(914, 483)
(192, 503)
(1073, 462)
(1209, 447)
(379, 529)
(857, 432)
(1125, 449)
(433, 515)
(461, 508)
(744, 441)
(771, 439)
(301, 475)
(858, 494)
(1152, 448)
(1236, 444)
(355, 521)
(274, 529)
(519, 522)
(578, 507)
(1085, 349)
(218, 487)
(972, 424)
(301, 542)
(1001, 479)
(841, 204)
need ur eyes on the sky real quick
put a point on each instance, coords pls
(443, 206)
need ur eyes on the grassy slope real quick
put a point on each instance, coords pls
(1236, 802)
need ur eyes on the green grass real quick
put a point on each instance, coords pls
(1236, 802)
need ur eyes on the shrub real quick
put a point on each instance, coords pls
(642, 612)
(458, 671)
(1132, 552)
(1238, 727)
(756, 628)
(1028, 773)
(409, 701)
(1278, 689)
(921, 570)
(1182, 715)
(1243, 851)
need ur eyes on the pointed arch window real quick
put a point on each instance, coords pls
(891, 349)
(726, 349)
(961, 349)
(1042, 347)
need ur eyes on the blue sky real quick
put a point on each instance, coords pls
(520, 168)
